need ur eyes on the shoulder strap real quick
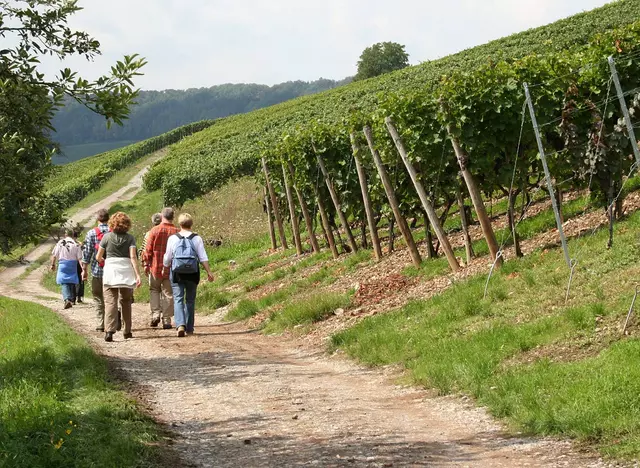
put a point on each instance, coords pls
(192, 235)
(179, 235)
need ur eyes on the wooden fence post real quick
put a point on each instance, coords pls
(295, 227)
(305, 212)
(336, 203)
(274, 203)
(468, 246)
(393, 201)
(422, 194)
(272, 229)
(325, 224)
(364, 188)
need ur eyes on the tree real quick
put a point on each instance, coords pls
(381, 58)
(31, 29)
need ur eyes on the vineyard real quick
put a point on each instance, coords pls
(439, 134)
(72, 182)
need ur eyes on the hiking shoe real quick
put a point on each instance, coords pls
(80, 301)
(108, 337)
(181, 331)
(68, 305)
(128, 335)
(155, 322)
(166, 326)
(100, 329)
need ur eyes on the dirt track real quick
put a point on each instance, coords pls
(234, 398)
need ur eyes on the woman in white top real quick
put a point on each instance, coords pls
(121, 275)
(185, 251)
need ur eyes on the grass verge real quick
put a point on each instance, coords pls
(306, 311)
(546, 366)
(57, 405)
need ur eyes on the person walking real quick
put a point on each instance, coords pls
(79, 289)
(90, 250)
(68, 254)
(185, 253)
(120, 273)
(159, 283)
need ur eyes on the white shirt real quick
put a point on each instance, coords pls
(67, 249)
(172, 242)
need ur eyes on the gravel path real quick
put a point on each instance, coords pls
(234, 398)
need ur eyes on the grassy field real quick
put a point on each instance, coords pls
(58, 405)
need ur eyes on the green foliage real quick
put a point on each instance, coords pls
(157, 112)
(31, 30)
(381, 58)
(72, 182)
(523, 352)
(483, 91)
(58, 407)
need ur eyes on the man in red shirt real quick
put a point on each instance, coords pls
(159, 282)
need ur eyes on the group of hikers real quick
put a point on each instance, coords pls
(171, 258)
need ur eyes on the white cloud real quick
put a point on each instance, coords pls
(193, 43)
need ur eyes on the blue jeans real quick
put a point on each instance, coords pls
(68, 291)
(184, 304)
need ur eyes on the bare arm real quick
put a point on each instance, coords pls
(206, 267)
(134, 263)
(53, 263)
(100, 255)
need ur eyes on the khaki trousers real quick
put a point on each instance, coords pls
(160, 306)
(111, 299)
(98, 300)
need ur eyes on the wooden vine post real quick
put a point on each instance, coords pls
(325, 224)
(476, 198)
(295, 226)
(464, 222)
(393, 201)
(422, 194)
(364, 188)
(272, 229)
(336, 202)
(274, 203)
(305, 212)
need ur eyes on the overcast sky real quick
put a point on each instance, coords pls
(200, 43)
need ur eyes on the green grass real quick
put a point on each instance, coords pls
(459, 342)
(306, 311)
(58, 407)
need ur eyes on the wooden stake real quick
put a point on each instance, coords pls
(476, 198)
(364, 188)
(272, 229)
(305, 213)
(336, 203)
(325, 224)
(274, 203)
(422, 194)
(295, 226)
(393, 201)
(468, 246)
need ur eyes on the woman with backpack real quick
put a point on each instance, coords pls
(185, 252)
(120, 275)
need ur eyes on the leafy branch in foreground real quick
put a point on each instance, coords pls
(28, 100)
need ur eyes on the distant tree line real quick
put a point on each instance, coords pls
(160, 111)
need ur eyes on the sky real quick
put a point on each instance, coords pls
(201, 43)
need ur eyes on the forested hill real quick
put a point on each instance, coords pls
(160, 111)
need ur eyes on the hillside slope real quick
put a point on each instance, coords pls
(232, 147)
(160, 111)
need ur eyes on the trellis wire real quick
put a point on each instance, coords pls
(633, 303)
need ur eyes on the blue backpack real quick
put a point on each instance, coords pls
(185, 258)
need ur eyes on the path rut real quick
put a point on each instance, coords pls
(232, 397)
